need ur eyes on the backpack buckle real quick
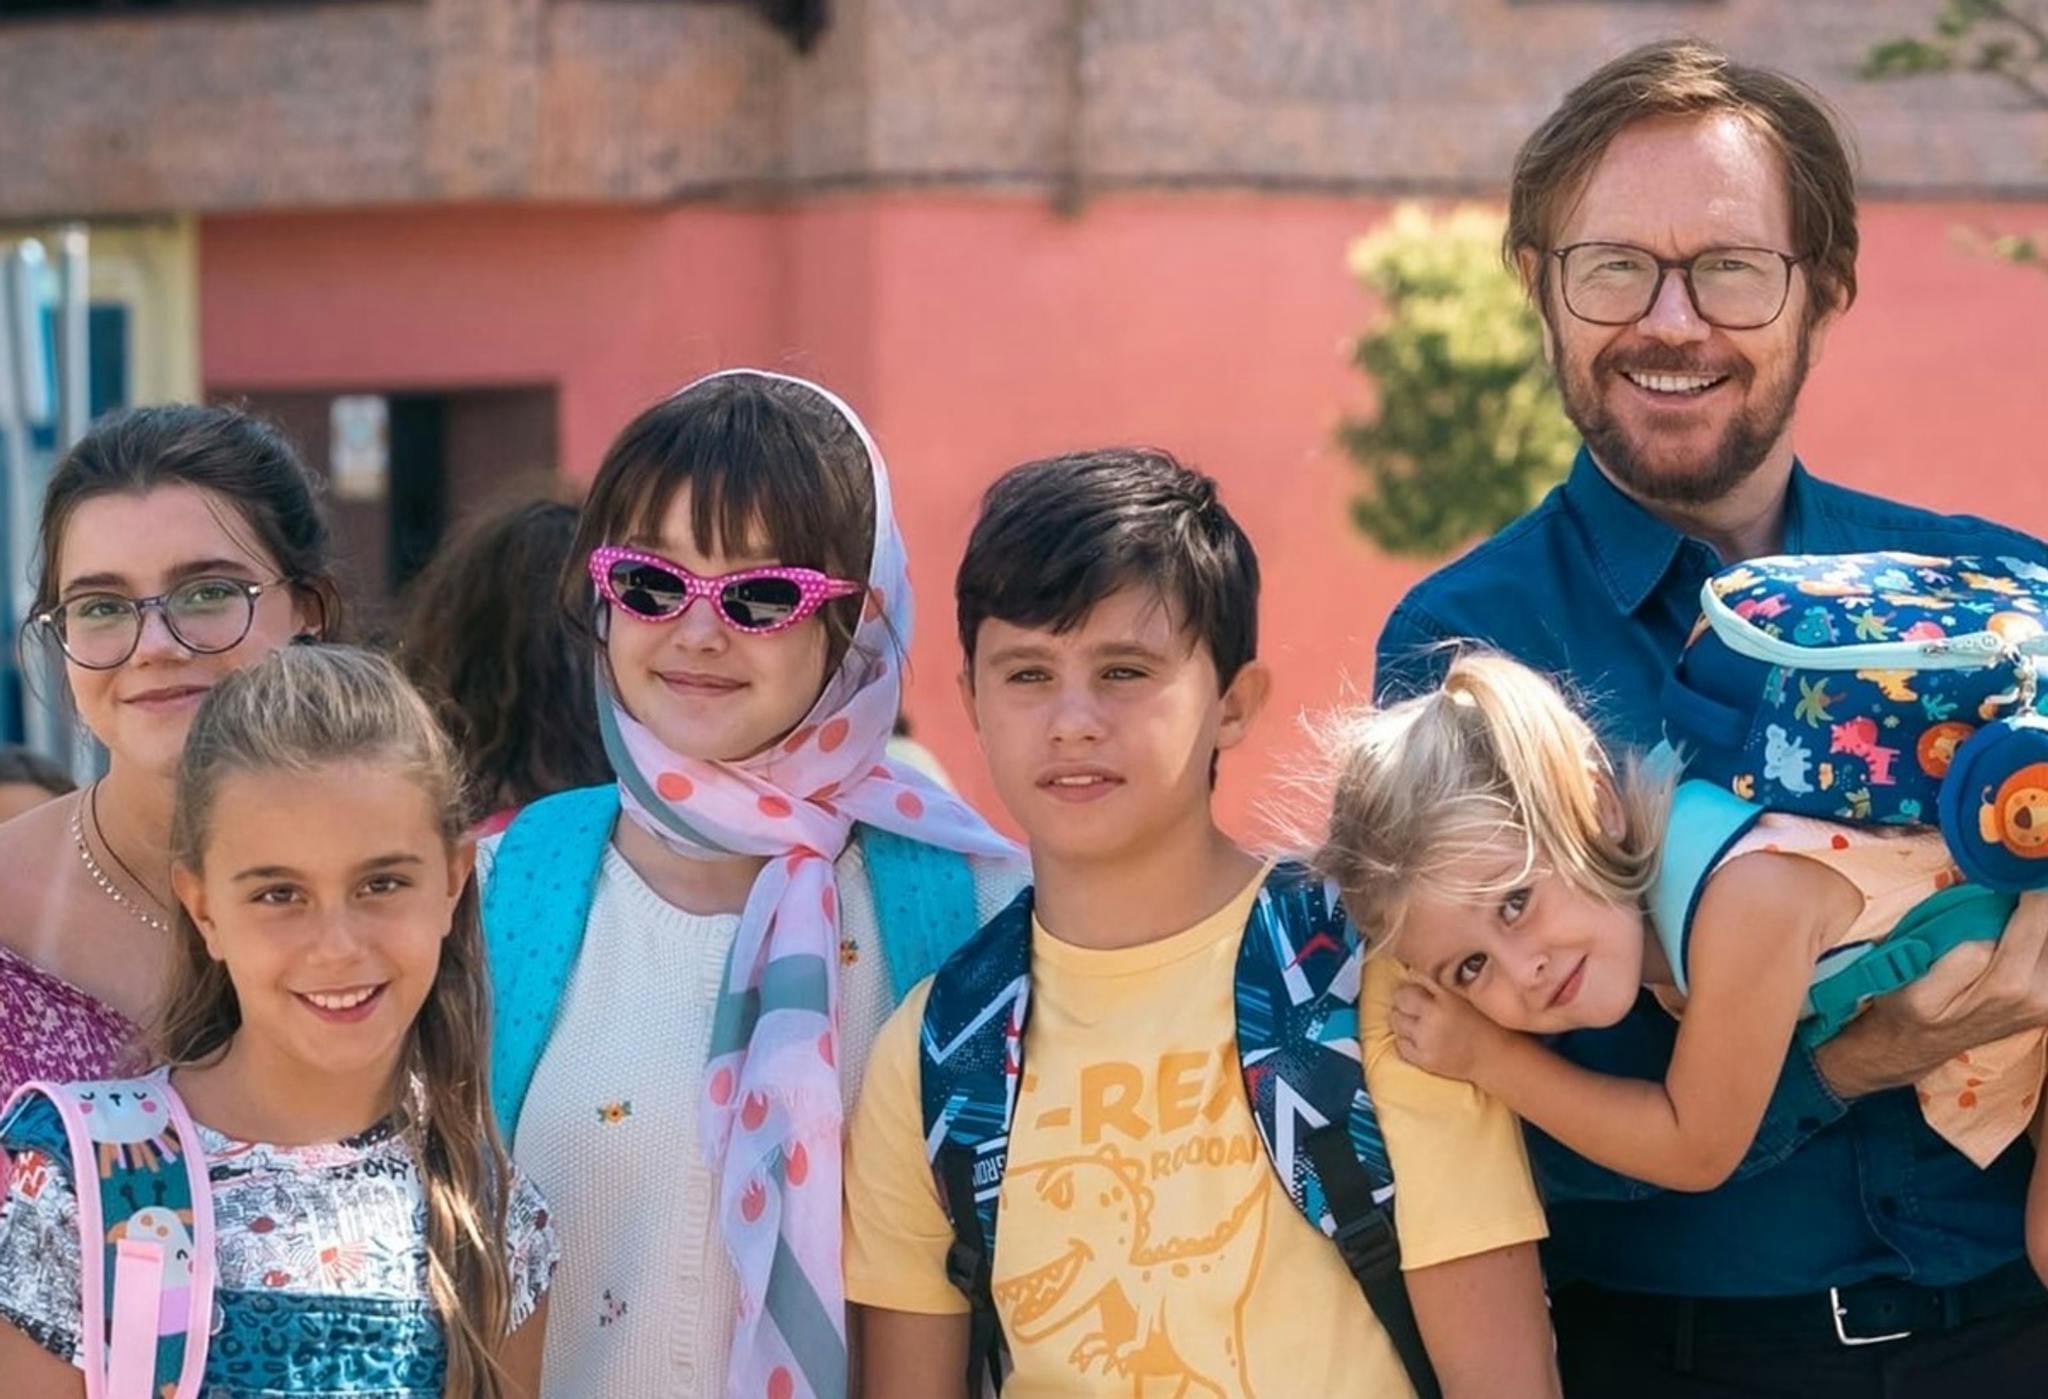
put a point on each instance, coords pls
(1368, 1243)
(964, 1268)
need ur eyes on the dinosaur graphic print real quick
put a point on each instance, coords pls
(1116, 1293)
(1137, 1219)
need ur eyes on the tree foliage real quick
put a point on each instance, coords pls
(1468, 432)
(1992, 37)
(1995, 38)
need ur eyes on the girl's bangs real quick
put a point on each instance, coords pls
(1467, 865)
(760, 482)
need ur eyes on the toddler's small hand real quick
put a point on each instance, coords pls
(1438, 1031)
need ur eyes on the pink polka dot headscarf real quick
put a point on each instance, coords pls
(771, 1113)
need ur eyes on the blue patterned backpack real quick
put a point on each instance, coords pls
(1298, 974)
(145, 1224)
(1892, 688)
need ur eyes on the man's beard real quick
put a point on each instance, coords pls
(1744, 444)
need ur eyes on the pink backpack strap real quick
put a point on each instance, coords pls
(138, 1290)
(199, 1306)
(121, 1361)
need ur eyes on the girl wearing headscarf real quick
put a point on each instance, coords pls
(691, 964)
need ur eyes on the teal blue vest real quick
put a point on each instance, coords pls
(544, 880)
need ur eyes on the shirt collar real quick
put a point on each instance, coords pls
(1633, 550)
(1810, 527)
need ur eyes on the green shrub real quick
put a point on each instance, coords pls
(1469, 431)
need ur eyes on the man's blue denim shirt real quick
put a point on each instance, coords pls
(1592, 587)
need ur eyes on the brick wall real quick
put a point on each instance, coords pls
(647, 101)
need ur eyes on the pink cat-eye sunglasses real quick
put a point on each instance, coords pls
(756, 601)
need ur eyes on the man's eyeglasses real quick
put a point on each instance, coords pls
(756, 601)
(208, 615)
(1617, 283)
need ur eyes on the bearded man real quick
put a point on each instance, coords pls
(1687, 227)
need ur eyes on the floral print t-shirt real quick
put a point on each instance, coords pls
(321, 1253)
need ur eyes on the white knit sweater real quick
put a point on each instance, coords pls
(644, 1300)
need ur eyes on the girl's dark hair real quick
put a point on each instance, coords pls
(242, 459)
(26, 766)
(772, 468)
(484, 639)
(300, 710)
(1056, 537)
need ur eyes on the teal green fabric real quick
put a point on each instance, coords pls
(1705, 821)
(534, 911)
(544, 880)
(924, 903)
(271, 1345)
(1938, 924)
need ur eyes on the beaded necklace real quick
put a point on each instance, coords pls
(89, 804)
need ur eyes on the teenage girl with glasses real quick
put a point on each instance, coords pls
(691, 964)
(177, 544)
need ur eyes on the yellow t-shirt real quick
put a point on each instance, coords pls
(1144, 1244)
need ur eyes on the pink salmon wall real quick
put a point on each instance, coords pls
(604, 305)
(975, 332)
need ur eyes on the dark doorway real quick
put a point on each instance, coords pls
(449, 453)
(418, 500)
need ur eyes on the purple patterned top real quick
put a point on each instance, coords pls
(50, 1029)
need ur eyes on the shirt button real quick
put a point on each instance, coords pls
(1888, 1206)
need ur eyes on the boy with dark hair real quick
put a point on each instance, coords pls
(1108, 611)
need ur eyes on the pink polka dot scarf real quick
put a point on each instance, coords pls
(772, 1115)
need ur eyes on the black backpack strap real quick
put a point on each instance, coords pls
(970, 1064)
(1371, 1249)
(1298, 974)
(969, 1267)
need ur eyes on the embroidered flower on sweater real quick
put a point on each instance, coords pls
(613, 1113)
(613, 1309)
(849, 951)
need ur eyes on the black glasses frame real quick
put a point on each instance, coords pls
(1683, 267)
(53, 619)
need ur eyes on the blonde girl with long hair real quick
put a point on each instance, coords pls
(325, 1029)
(1532, 887)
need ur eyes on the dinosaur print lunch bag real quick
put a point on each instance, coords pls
(1891, 687)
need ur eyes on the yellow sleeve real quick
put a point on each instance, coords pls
(1461, 1174)
(897, 1233)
